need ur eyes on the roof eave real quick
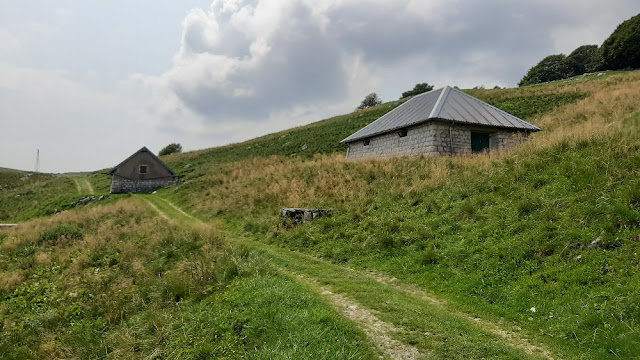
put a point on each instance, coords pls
(347, 140)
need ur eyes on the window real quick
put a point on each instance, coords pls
(366, 142)
(402, 132)
(143, 169)
(479, 142)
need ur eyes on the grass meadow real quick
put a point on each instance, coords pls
(117, 281)
(551, 225)
(544, 237)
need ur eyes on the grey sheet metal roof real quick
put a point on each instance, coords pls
(447, 103)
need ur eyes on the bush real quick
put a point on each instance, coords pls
(171, 149)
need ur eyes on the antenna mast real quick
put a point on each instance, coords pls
(37, 167)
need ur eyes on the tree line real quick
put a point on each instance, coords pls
(621, 50)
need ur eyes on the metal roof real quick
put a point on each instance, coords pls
(448, 104)
(144, 149)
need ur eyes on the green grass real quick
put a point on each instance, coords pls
(551, 225)
(117, 281)
(511, 233)
(101, 181)
(436, 330)
(476, 243)
(265, 316)
(527, 106)
(27, 195)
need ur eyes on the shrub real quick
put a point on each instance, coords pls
(370, 100)
(171, 149)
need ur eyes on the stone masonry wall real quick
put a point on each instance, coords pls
(121, 185)
(431, 139)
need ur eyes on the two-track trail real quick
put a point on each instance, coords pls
(402, 320)
(83, 185)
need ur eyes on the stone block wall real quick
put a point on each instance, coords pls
(432, 138)
(120, 185)
(505, 139)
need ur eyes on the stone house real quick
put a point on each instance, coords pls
(141, 172)
(440, 122)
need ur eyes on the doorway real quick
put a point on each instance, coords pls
(479, 142)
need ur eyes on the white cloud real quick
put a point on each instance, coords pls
(243, 68)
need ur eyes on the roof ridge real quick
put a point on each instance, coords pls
(389, 113)
(440, 102)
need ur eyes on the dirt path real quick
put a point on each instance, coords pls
(77, 185)
(402, 320)
(88, 185)
(154, 207)
(82, 183)
(176, 208)
(378, 331)
(512, 337)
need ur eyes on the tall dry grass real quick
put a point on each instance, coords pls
(261, 184)
(98, 267)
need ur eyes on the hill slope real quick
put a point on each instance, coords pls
(530, 253)
(552, 225)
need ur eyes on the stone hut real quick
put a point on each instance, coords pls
(141, 172)
(440, 122)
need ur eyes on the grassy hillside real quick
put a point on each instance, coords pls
(25, 195)
(440, 257)
(119, 281)
(551, 225)
(323, 137)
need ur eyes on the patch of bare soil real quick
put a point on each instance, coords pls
(378, 331)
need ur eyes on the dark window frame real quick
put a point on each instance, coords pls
(403, 132)
(366, 142)
(143, 169)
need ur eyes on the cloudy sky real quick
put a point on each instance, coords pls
(90, 82)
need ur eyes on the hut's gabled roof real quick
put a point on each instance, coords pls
(448, 104)
(145, 150)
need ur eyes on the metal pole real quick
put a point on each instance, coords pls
(450, 140)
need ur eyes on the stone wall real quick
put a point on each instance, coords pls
(120, 185)
(432, 139)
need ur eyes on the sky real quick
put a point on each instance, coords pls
(90, 82)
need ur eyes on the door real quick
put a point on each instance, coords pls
(479, 142)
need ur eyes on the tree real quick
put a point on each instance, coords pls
(171, 149)
(584, 59)
(418, 89)
(553, 67)
(622, 48)
(369, 101)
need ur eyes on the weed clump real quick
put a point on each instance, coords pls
(61, 234)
